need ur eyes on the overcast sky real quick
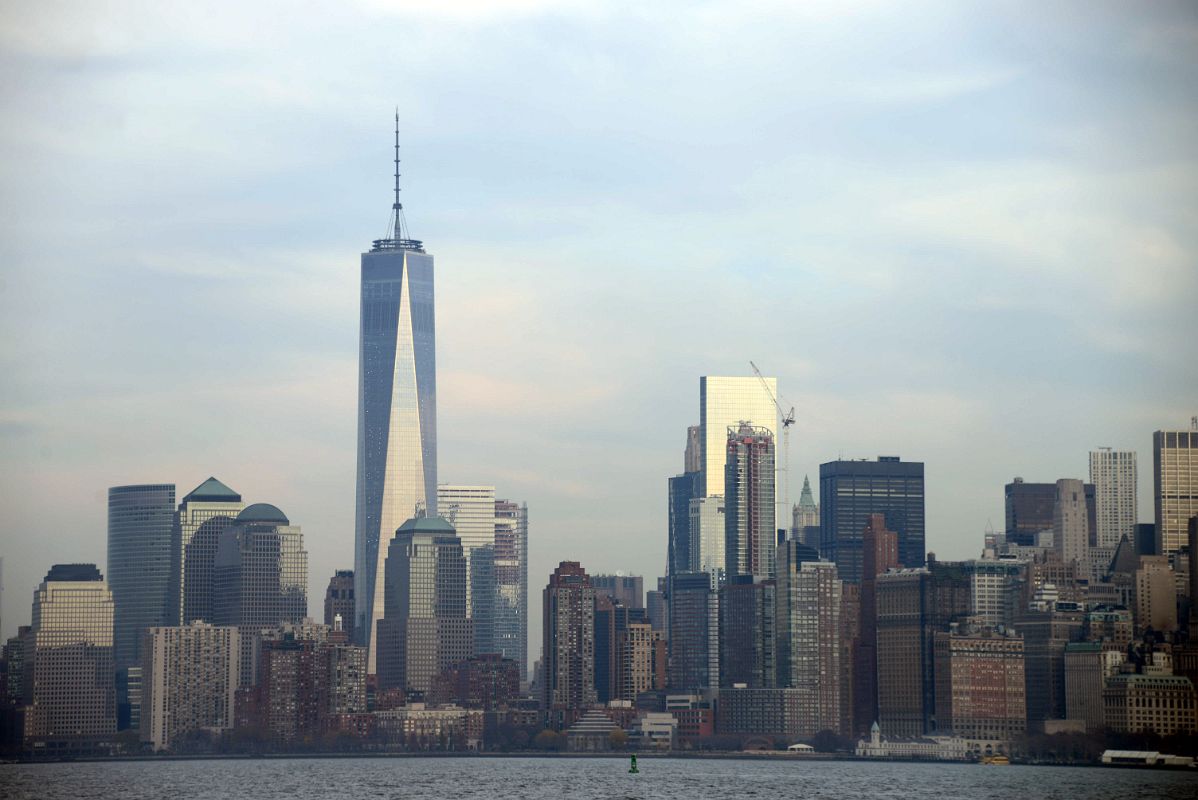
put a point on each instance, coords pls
(962, 235)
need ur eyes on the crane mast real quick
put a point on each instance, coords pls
(788, 419)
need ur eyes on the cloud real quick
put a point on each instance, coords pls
(948, 232)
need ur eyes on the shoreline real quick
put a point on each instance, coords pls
(725, 755)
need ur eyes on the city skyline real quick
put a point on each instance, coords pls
(281, 385)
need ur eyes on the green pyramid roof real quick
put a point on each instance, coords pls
(213, 491)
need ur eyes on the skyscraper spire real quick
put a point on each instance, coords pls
(397, 207)
(397, 235)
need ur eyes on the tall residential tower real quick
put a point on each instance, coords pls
(397, 406)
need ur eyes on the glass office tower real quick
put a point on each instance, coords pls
(851, 491)
(424, 628)
(140, 519)
(725, 402)
(511, 578)
(471, 512)
(260, 577)
(200, 520)
(397, 408)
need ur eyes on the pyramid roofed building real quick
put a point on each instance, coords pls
(212, 491)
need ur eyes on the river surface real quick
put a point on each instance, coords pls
(475, 777)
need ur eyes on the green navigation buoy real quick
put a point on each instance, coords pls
(633, 768)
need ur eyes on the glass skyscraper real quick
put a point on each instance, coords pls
(725, 402)
(397, 408)
(259, 577)
(200, 520)
(471, 512)
(140, 519)
(851, 491)
(511, 579)
(424, 628)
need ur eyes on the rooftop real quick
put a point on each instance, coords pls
(263, 512)
(212, 491)
(426, 525)
(74, 572)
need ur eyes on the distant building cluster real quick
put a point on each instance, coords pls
(828, 623)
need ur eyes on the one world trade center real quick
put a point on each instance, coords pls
(397, 407)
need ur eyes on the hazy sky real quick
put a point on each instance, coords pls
(963, 235)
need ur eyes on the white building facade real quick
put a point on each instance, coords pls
(1113, 473)
(191, 676)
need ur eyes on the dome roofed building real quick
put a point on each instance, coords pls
(263, 512)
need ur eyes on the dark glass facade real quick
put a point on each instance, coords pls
(747, 633)
(140, 519)
(850, 491)
(694, 632)
(683, 488)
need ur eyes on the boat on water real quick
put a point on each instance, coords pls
(997, 760)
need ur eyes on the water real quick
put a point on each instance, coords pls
(475, 777)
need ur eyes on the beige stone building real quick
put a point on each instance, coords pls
(69, 682)
(1164, 704)
(1155, 598)
(1174, 485)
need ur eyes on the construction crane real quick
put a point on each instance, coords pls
(788, 419)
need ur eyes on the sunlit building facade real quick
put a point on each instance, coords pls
(397, 409)
(725, 402)
(68, 663)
